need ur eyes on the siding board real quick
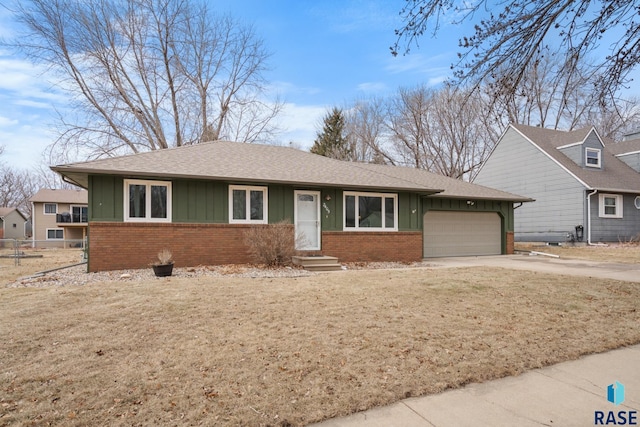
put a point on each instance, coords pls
(519, 167)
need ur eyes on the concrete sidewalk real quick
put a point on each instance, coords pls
(567, 394)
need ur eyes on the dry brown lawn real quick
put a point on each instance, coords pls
(37, 260)
(235, 351)
(622, 253)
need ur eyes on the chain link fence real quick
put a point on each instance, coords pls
(13, 251)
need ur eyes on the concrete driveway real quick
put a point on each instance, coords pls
(545, 264)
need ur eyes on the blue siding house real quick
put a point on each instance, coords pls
(582, 183)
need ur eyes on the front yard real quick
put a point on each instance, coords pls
(289, 351)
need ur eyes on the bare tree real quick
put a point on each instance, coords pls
(550, 98)
(17, 187)
(149, 74)
(446, 131)
(512, 38)
(365, 126)
(614, 121)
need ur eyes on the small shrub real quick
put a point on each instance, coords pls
(165, 257)
(272, 244)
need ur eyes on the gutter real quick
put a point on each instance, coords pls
(589, 220)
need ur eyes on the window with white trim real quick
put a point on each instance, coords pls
(370, 211)
(147, 201)
(610, 206)
(79, 213)
(247, 204)
(592, 157)
(55, 234)
(50, 208)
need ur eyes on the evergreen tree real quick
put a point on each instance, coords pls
(331, 141)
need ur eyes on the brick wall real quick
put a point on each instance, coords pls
(122, 245)
(510, 246)
(403, 246)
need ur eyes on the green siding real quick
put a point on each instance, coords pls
(106, 201)
(280, 203)
(199, 201)
(409, 216)
(331, 210)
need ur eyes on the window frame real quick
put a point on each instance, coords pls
(598, 152)
(602, 207)
(54, 229)
(44, 208)
(248, 189)
(148, 184)
(81, 207)
(357, 195)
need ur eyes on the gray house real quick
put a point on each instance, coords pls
(583, 184)
(12, 223)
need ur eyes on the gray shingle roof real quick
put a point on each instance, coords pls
(254, 163)
(624, 147)
(47, 195)
(614, 176)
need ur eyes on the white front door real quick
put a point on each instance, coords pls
(307, 220)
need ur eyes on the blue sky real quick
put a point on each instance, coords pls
(324, 53)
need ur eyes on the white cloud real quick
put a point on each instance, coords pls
(5, 121)
(357, 15)
(299, 123)
(370, 87)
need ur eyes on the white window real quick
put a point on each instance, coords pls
(50, 208)
(636, 202)
(79, 213)
(247, 204)
(147, 201)
(55, 234)
(610, 206)
(592, 156)
(370, 211)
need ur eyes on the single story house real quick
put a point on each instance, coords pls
(198, 200)
(59, 216)
(12, 223)
(584, 185)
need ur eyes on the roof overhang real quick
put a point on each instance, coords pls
(80, 177)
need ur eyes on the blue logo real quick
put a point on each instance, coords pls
(615, 393)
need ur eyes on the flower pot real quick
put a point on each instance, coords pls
(163, 270)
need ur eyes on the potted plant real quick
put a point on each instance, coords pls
(164, 265)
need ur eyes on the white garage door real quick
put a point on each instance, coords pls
(453, 233)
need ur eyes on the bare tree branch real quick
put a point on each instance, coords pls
(149, 74)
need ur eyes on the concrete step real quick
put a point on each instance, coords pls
(317, 263)
(311, 260)
(323, 267)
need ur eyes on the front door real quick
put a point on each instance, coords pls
(307, 220)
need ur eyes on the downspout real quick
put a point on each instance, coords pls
(589, 218)
(33, 224)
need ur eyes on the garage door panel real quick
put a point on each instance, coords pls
(450, 233)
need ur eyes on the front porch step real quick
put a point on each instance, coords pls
(317, 263)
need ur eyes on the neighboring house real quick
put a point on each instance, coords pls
(58, 216)
(578, 180)
(12, 223)
(199, 200)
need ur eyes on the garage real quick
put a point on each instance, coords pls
(452, 233)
